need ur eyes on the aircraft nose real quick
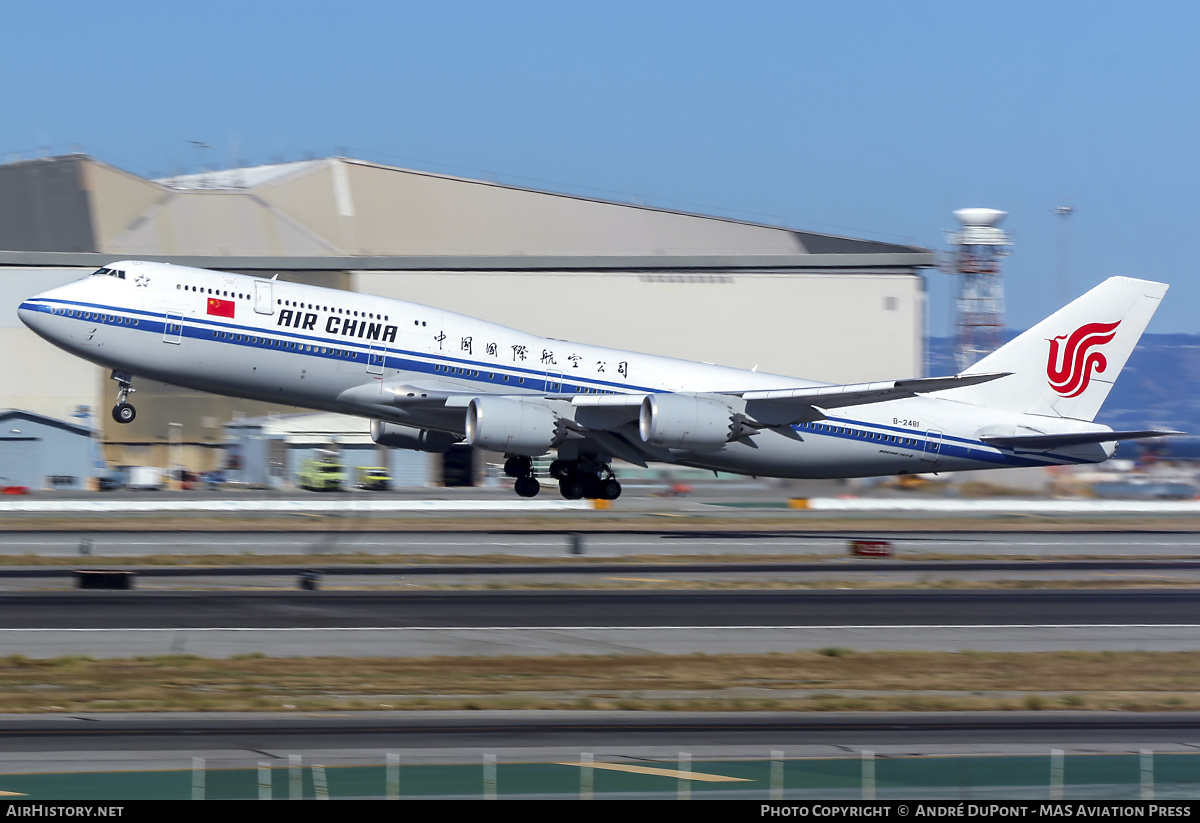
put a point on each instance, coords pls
(28, 314)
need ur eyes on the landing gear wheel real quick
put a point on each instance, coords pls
(563, 469)
(518, 466)
(571, 489)
(124, 413)
(527, 486)
(609, 489)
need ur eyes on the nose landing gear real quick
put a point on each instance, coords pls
(123, 412)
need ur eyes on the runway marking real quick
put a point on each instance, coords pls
(698, 776)
(615, 628)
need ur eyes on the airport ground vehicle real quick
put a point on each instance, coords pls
(145, 478)
(321, 475)
(374, 478)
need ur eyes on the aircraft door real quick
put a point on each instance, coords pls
(264, 302)
(173, 328)
(376, 357)
(554, 381)
(933, 446)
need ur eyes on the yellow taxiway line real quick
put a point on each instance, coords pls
(704, 778)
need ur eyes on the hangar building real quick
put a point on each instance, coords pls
(40, 452)
(610, 273)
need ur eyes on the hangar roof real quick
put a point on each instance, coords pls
(342, 213)
(8, 416)
(321, 427)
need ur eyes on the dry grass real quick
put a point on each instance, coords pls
(832, 679)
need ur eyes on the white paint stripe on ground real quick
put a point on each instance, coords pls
(288, 506)
(824, 504)
(832, 504)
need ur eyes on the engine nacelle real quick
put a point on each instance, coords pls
(395, 436)
(680, 421)
(511, 426)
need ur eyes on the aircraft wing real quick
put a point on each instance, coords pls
(785, 407)
(858, 394)
(1041, 442)
(610, 420)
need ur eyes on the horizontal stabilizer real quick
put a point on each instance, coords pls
(1038, 442)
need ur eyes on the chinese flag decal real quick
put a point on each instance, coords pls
(221, 308)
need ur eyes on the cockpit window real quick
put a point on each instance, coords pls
(107, 272)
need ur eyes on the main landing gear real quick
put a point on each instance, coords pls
(584, 477)
(123, 412)
(521, 467)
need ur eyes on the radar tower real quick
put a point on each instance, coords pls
(978, 247)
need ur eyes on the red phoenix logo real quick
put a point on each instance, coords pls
(1071, 365)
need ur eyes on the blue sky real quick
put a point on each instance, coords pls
(873, 119)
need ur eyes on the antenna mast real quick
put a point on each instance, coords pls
(1064, 254)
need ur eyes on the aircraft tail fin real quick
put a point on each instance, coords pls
(1066, 365)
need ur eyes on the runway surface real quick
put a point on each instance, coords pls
(598, 622)
(753, 734)
(324, 539)
(426, 623)
(404, 622)
(622, 609)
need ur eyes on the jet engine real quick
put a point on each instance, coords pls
(395, 436)
(511, 426)
(681, 421)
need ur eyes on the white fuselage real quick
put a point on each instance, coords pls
(346, 352)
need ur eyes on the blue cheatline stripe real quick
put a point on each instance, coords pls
(405, 360)
(950, 445)
(201, 328)
(970, 450)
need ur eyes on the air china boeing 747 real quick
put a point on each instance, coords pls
(428, 379)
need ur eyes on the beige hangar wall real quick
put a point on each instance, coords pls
(838, 328)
